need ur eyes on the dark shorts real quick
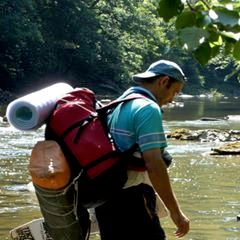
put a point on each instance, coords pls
(130, 215)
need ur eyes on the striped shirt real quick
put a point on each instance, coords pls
(138, 121)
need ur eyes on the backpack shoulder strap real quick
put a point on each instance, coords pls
(114, 103)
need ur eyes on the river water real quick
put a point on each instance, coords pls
(207, 186)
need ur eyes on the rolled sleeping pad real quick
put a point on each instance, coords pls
(30, 111)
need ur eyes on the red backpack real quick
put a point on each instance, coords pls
(79, 125)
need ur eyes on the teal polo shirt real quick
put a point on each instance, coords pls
(137, 121)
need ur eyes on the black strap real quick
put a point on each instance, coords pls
(78, 125)
(114, 103)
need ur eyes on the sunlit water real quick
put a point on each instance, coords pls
(208, 187)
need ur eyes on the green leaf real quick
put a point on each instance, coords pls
(225, 16)
(203, 53)
(192, 37)
(185, 19)
(203, 20)
(231, 35)
(236, 51)
(169, 8)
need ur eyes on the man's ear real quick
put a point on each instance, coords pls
(163, 81)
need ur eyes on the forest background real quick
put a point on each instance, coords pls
(101, 43)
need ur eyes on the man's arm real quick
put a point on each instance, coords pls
(159, 178)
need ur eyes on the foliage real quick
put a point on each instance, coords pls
(215, 93)
(124, 47)
(89, 41)
(205, 27)
(20, 34)
(102, 43)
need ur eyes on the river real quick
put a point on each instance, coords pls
(207, 186)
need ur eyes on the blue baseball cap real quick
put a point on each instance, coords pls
(161, 67)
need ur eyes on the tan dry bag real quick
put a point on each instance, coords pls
(48, 166)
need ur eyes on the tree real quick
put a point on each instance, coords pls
(205, 27)
(20, 39)
(132, 36)
(102, 43)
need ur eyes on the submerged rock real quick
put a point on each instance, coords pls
(229, 148)
(210, 119)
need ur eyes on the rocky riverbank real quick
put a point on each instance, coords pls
(231, 137)
(205, 135)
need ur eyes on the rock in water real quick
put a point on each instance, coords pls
(229, 148)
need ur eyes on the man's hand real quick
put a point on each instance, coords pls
(160, 180)
(182, 223)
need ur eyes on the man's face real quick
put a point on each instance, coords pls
(168, 91)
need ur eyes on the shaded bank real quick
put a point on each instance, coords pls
(6, 97)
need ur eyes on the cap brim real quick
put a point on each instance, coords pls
(142, 76)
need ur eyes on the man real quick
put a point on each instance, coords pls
(132, 213)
